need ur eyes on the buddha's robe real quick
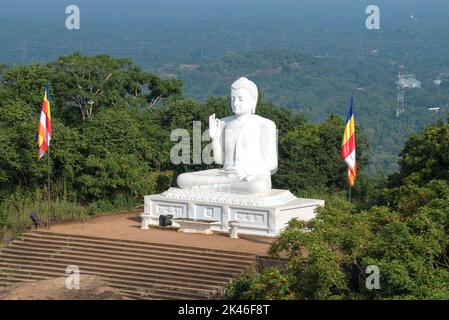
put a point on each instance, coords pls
(249, 145)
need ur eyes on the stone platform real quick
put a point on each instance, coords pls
(258, 215)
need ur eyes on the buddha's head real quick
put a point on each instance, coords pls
(243, 96)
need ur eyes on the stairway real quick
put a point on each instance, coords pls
(140, 270)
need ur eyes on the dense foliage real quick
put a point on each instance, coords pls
(405, 234)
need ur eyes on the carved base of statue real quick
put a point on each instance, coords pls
(264, 215)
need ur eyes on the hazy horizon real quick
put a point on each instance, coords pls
(169, 31)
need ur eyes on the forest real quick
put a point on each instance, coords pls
(111, 145)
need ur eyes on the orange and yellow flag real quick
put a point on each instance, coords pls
(348, 146)
(44, 128)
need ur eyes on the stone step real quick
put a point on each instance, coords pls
(4, 282)
(116, 269)
(161, 270)
(131, 294)
(139, 270)
(153, 253)
(144, 245)
(19, 277)
(137, 294)
(106, 258)
(130, 282)
(151, 278)
(162, 294)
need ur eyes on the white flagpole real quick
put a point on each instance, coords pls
(49, 189)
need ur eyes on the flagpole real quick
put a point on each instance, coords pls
(49, 190)
(350, 193)
(43, 138)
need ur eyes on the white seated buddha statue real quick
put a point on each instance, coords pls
(244, 143)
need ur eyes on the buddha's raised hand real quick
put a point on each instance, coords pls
(214, 127)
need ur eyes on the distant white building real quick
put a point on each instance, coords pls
(409, 81)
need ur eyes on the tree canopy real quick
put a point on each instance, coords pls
(404, 234)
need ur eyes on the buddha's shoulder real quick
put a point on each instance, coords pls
(255, 120)
(264, 122)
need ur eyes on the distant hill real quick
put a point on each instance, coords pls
(319, 87)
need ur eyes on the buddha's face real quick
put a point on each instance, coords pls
(242, 102)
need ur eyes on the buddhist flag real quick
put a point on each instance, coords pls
(44, 128)
(348, 146)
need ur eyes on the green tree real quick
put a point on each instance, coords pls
(312, 152)
(88, 84)
(425, 156)
(405, 235)
(160, 89)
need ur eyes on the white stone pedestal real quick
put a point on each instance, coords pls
(195, 226)
(257, 215)
(233, 229)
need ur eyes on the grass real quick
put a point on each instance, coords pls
(18, 216)
(15, 212)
